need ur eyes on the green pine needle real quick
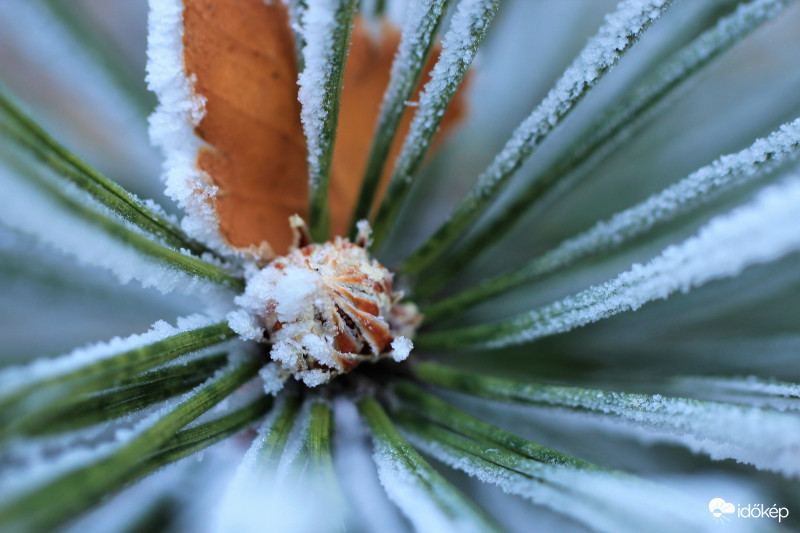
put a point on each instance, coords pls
(417, 42)
(71, 493)
(320, 168)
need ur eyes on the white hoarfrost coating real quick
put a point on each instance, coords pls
(401, 347)
(697, 189)
(319, 24)
(325, 308)
(172, 124)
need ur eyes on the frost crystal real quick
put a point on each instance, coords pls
(325, 308)
(173, 122)
(401, 347)
(319, 22)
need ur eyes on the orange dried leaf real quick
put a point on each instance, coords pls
(240, 56)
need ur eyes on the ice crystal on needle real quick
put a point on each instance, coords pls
(326, 308)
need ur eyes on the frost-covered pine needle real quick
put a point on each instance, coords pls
(765, 438)
(604, 499)
(370, 508)
(749, 390)
(49, 506)
(416, 40)
(761, 231)
(326, 26)
(71, 222)
(697, 189)
(609, 133)
(467, 30)
(425, 497)
(99, 355)
(145, 215)
(622, 28)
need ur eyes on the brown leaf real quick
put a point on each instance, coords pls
(240, 55)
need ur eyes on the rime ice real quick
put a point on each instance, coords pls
(326, 308)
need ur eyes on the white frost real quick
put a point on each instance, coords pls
(766, 438)
(246, 325)
(371, 510)
(419, 25)
(602, 500)
(459, 45)
(172, 124)
(255, 501)
(273, 378)
(407, 488)
(752, 390)
(401, 348)
(700, 187)
(318, 25)
(45, 469)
